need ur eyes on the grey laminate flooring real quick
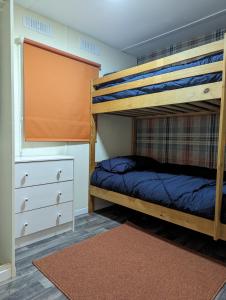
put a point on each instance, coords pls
(31, 284)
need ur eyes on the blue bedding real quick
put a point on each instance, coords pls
(167, 185)
(155, 88)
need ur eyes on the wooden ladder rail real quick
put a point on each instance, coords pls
(221, 153)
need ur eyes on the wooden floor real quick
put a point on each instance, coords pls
(31, 284)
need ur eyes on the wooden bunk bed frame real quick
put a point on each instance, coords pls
(189, 101)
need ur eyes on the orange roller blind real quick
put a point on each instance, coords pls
(56, 94)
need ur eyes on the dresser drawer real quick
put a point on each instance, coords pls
(34, 197)
(35, 173)
(43, 218)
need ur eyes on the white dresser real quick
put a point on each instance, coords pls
(44, 189)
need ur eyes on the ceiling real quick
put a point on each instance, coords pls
(135, 26)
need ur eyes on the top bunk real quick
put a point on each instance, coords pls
(187, 82)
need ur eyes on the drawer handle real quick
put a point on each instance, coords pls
(59, 196)
(25, 224)
(23, 179)
(26, 200)
(59, 215)
(59, 174)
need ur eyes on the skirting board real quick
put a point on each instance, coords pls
(81, 211)
(99, 204)
(5, 272)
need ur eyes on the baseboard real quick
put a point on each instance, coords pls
(5, 272)
(81, 211)
(99, 204)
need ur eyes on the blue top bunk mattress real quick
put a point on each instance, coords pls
(186, 188)
(155, 88)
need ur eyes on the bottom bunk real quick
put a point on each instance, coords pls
(184, 195)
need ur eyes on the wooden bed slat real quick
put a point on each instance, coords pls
(185, 107)
(200, 107)
(194, 71)
(184, 95)
(162, 109)
(198, 113)
(207, 106)
(162, 62)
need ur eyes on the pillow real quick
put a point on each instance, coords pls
(119, 165)
(146, 163)
(190, 170)
(123, 164)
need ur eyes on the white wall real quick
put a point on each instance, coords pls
(6, 136)
(110, 141)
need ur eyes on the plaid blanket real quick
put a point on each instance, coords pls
(190, 140)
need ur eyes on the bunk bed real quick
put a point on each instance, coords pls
(187, 83)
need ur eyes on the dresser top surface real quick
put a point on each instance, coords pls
(21, 159)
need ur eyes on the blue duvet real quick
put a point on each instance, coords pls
(155, 88)
(194, 195)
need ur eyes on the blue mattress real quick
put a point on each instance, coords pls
(167, 187)
(155, 88)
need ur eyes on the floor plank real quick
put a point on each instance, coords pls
(31, 284)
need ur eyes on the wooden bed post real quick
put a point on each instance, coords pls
(221, 153)
(93, 136)
(92, 157)
(134, 137)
